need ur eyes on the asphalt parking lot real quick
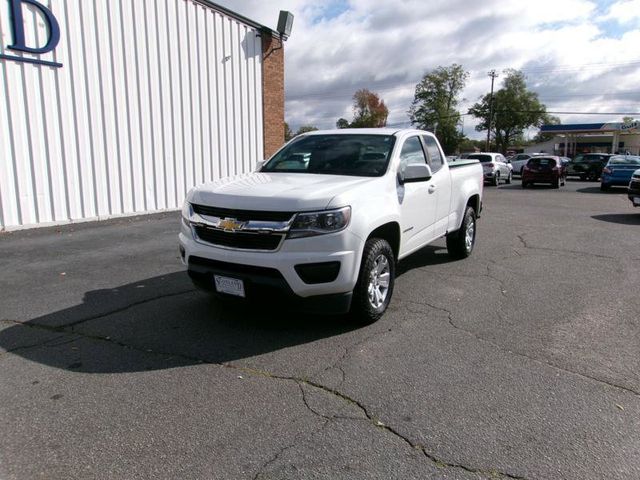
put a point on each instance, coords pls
(519, 362)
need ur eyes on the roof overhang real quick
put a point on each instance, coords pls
(578, 128)
(237, 16)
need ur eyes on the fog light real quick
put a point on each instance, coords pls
(313, 273)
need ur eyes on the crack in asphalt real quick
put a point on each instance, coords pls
(127, 307)
(295, 440)
(527, 246)
(440, 463)
(524, 355)
(389, 429)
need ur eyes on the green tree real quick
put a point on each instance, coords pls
(515, 107)
(435, 104)
(545, 137)
(305, 129)
(288, 134)
(369, 111)
(342, 123)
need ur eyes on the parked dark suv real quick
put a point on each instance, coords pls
(588, 166)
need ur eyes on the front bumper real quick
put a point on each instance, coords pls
(634, 196)
(276, 270)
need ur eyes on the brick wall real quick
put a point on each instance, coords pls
(273, 93)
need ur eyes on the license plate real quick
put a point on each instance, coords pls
(636, 200)
(231, 286)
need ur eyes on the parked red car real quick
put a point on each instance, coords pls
(544, 170)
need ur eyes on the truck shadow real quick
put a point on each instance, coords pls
(163, 322)
(160, 323)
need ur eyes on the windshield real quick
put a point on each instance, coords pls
(337, 154)
(624, 160)
(542, 162)
(482, 158)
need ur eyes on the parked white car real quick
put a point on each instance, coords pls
(325, 220)
(495, 167)
(519, 161)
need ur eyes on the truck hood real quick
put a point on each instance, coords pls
(275, 191)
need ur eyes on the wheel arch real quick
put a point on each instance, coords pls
(391, 233)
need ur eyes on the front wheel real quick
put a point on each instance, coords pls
(376, 279)
(509, 178)
(495, 180)
(460, 243)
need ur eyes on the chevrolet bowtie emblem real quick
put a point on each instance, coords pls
(230, 225)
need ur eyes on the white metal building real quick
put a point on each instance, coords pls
(138, 101)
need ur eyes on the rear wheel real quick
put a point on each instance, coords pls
(495, 180)
(460, 243)
(509, 178)
(524, 184)
(376, 279)
(556, 184)
(604, 187)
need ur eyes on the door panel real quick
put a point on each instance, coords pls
(418, 205)
(441, 180)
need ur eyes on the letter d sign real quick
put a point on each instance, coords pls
(18, 28)
(19, 40)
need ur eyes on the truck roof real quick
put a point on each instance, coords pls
(364, 131)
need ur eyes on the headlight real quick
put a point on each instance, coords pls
(187, 211)
(320, 223)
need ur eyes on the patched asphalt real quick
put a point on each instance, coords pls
(519, 362)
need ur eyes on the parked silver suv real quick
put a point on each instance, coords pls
(494, 166)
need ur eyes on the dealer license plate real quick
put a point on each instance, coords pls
(231, 286)
(636, 200)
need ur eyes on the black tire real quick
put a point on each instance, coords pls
(495, 180)
(604, 187)
(556, 184)
(363, 309)
(509, 178)
(457, 245)
(524, 185)
(583, 177)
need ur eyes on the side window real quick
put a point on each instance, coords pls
(411, 153)
(435, 157)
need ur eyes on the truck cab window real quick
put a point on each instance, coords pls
(435, 157)
(411, 153)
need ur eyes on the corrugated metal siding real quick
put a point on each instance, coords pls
(154, 97)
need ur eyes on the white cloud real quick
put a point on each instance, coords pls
(387, 45)
(624, 11)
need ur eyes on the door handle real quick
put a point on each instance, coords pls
(432, 188)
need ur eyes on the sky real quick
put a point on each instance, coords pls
(578, 55)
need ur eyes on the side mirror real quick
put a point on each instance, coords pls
(259, 165)
(415, 173)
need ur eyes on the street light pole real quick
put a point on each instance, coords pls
(493, 74)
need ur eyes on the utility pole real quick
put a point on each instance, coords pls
(493, 74)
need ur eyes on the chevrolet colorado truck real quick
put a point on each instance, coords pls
(324, 221)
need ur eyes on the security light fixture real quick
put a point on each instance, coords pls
(285, 24)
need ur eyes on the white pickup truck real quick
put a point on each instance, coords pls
(325, 220)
